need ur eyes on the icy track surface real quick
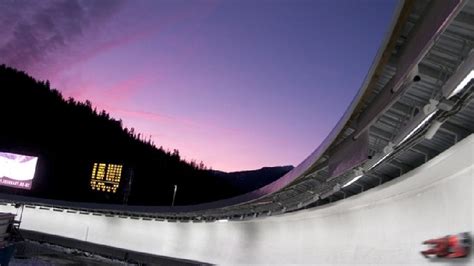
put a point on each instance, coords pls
(384, 225)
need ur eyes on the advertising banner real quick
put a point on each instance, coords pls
(17, 170)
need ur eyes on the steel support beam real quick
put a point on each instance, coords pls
(421, 39)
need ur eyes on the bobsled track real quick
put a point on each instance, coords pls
(384, 225)
(396, 170)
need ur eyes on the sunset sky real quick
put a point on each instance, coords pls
(238, 84)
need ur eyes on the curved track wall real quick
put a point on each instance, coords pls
(384, 225)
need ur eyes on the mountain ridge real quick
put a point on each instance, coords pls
(69, 137)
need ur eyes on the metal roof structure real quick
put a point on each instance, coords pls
(415, 102)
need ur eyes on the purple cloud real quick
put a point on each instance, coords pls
(33, 30)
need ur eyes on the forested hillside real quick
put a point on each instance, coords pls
(70, 136)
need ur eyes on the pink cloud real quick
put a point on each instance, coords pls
(125, 89)
(155, 117)
(90, 48)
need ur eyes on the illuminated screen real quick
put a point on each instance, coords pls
(106, 177)
(17, 170)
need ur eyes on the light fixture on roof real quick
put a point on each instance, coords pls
(327, 194)
(444, 105)
(461, 77)
(358, 174)
(388, 148)
(380, 160)
(353, 180)
(387, 151)
(420, 125)
(433, 129)
(462, 84)
(429, 110)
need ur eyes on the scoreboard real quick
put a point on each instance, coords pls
(106, 177)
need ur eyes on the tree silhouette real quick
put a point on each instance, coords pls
(69, 136)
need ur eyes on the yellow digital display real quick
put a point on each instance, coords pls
(106, 177)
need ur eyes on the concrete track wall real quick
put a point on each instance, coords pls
(384, 225)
